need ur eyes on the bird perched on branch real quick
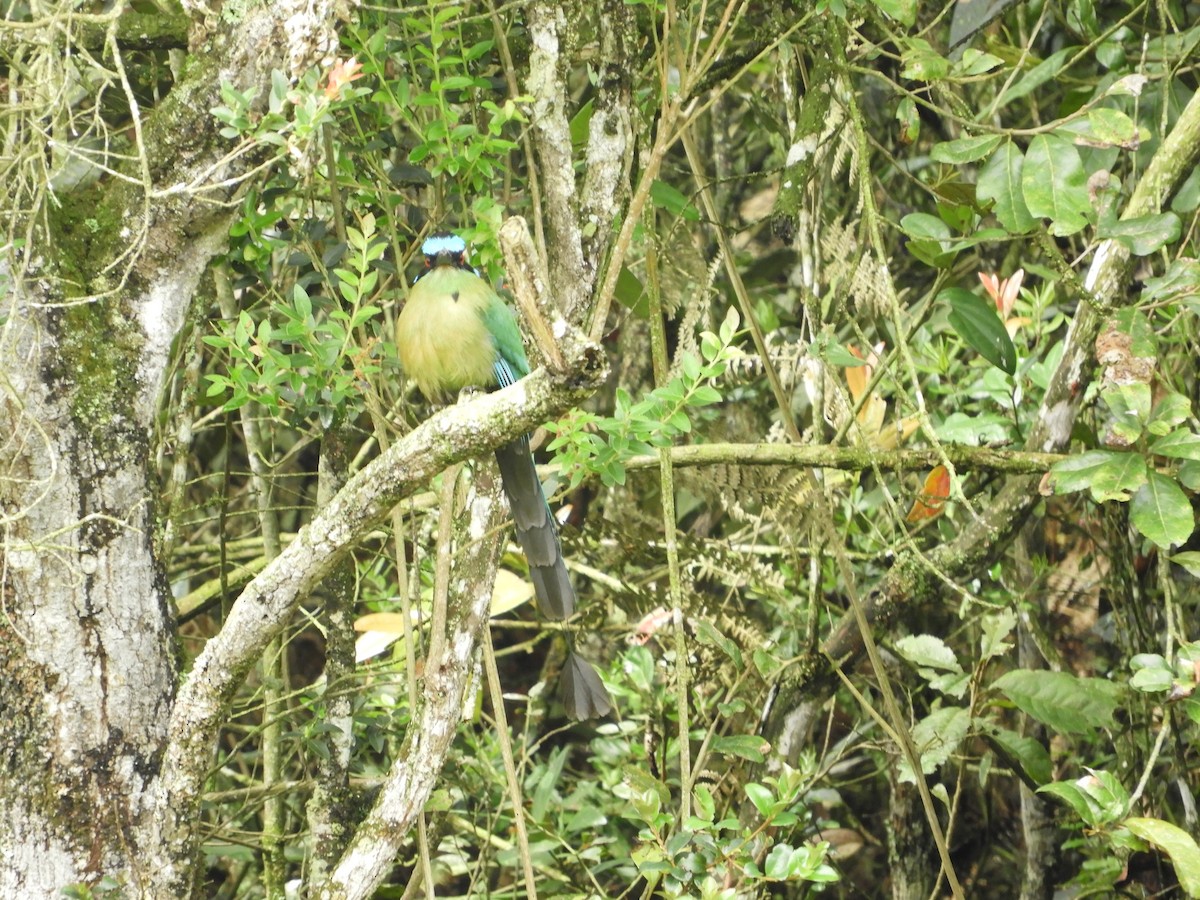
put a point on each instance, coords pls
(456, 332)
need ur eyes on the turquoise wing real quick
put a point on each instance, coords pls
(501, 323)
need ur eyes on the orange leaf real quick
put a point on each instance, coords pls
(857, 377)
(932, 501)
(341, 73)
(1003, 293)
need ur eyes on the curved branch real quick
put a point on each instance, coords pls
(460, 432)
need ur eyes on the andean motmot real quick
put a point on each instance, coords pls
(455, 332)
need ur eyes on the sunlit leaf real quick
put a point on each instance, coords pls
(1189, 560)
(976, 62)
(1024, 753)
(921, 62)
(1144, 234)
(1054, 184)
(1177, 844)
(509, 592)
(929, 651)
(965, 149)
(936, 738)
(1130, 405)
(745, 746)
(903, 11)
(1108, 474)
(1111, 127)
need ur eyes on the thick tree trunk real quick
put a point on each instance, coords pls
(88, 666)
(88, 674)
(90, 663)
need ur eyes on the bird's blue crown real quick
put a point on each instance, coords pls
(445, 242)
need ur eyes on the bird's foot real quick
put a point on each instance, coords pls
(469, 393)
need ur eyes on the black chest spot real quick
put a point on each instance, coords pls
(454, 296)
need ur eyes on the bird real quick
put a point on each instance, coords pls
(456, 332)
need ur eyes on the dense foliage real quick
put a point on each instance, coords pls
(903, 344)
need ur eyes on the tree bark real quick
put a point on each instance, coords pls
(109, 269)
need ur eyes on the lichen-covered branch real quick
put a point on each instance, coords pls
(371, 854)
(828, 456)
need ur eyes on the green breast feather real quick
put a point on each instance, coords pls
(453, 330)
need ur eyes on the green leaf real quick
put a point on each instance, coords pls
(936, 737)
(1142, 339)
(909, 120)
(837, 355)
(545, 786)
(1189, 475)
(1177, 844)
(1130, 405)
(301, 303)
(965, 149)
(1061, 701)
(1076, 798)
(928, 651)
(975, 431)
(761, 797)
(1190, 560)
(996, 627)
(671, 199)
(1037, 76)
(1145, 234)
(978, 323)
(581, 123)
(1000, 182)
(1160, 510)
(1023, 753)
(903, 11)
(1171, 409)
(976, 62)
(631, 293)
(930, 235)
(936, 663)
(921, 62)
(1112, 128)
(768, 664)
(704, 395)
(778, 863)
(924, 227)
(1108, 474)
(1054, 184)
(745, 746)
(1151, 673)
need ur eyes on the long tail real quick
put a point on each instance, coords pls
(583, 693)
(535, 530)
